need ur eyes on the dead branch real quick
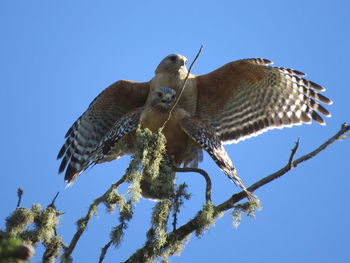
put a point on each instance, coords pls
(104, 251)
(293, 152)
(19, 195)
(147, 252)
(206, 177)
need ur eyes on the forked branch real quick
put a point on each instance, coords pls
(180, 234)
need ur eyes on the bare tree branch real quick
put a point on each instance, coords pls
(205, 175)
(235, 198)
(293, 152)
(148, 252)
(104, 251)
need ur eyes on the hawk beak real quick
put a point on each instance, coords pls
(167, 98)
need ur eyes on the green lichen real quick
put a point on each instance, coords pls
(18, 221)
(45, 224)
(248, 208)
(117, 234)
(111, 199)
(159, 222)
(205, 218)
(150, 173)
(53, 249)
(28, 227)
(125, 215)
(178, 200)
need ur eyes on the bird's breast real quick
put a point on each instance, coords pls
(177, 139)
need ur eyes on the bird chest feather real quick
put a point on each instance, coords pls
(177, 139)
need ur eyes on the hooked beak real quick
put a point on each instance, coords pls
(167, 99)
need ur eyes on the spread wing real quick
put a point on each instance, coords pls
(94, 124)
(200, 132)
(114, 144)
(247, 97)
(124, 126)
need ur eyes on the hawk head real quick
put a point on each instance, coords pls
(161, 98)
(172, 63)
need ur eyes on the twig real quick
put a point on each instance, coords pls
(205, 175)
(175, 209)
(104, 251)
(82, 222)
(183, 87)
(174, 223)
(19, 194)
(235, 198)
(58, 213)
(293, 152)
(182, 232)
(52, 204)
(177, 201)
(344, 136)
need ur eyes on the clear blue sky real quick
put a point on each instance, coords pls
(57, 56)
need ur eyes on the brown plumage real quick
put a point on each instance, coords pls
(238, 100)
(182, 133)
(91, 127)
(153, 115)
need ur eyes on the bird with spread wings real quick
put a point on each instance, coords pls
(236, 101)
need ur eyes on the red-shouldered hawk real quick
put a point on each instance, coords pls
(241, 99)
(182, 132)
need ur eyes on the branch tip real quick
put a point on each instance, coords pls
(19, 194)
(52, 204)
(293, 152)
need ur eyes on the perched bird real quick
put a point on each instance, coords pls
(236, 101)
(183, 133)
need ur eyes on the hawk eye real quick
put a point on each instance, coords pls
(172, 58)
